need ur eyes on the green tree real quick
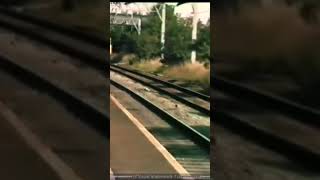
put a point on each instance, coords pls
(148, 43)
(123, 40)
(203, 42)
(178, 38)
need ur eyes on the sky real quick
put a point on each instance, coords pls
(185, 10)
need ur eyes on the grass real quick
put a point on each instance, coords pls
(196, 72)
(196, 75)
(149, 66)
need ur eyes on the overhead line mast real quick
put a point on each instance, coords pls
(163, 28)
(195, 20)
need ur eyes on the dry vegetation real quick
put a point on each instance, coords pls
(196, 74)
(150, 66)
(190, 72)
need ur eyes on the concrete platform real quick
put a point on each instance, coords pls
(131, 151)
(19, 157)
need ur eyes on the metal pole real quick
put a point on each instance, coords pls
(110, 46)
(163, 29)
(194, 30)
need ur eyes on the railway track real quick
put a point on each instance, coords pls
(178, 94)
(280, 139)
(191, 98)
(60, 39)
(67, 124)
(190, 148)
(197, 137)
(235, 122)
(188, 128)
(61, 42)
(72, 102)
(72, 118)
(271, 121)
(285, 142)
(268, 139)
(74, 49)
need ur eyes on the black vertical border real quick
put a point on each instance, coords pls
(212, 134)
(107, 26)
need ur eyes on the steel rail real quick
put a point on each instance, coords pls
(305, 114)
(89, 37)
(98, 62)
(194, 135)
(291, 150)
(176, 97)
(86, 112)
(185, 90)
